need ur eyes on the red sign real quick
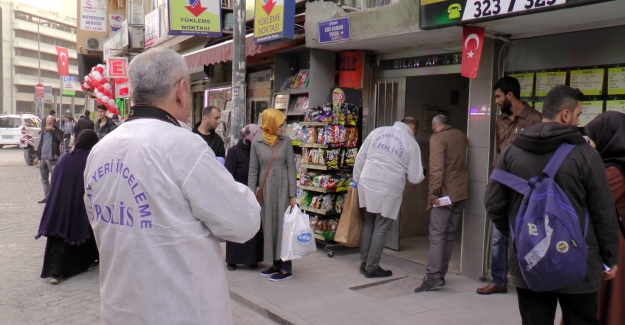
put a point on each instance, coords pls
(63, 61)
(117, 67)
(472, 41)
(39, 91)
(351, 69)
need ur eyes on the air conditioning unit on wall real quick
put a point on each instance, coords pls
(93, 44)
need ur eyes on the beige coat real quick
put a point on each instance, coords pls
(448, 165)
(280, 185)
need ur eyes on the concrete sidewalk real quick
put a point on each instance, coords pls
(319, 293)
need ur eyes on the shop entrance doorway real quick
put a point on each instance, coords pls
(424, 97)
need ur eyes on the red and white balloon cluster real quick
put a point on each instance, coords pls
(101, 87)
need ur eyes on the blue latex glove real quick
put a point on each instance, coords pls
(353, 184)
(221, 160)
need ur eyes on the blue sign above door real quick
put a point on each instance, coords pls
(334, 30)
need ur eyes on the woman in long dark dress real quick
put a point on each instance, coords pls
(71, 248)
(237, 163)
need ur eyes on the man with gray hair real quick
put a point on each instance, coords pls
(449, 188)
(156, 210)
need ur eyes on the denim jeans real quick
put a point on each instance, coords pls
(46, 167)
(499, 258)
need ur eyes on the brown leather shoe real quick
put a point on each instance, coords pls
(490, 289)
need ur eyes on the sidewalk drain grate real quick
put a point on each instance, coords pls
(389, 289)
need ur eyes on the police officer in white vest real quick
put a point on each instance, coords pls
(158, 200)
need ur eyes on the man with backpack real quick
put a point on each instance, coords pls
(566, 200)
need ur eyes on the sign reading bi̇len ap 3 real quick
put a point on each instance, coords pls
(274, 20)
(195, 17)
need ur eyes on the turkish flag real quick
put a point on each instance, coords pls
(472, 41)
(63, 61)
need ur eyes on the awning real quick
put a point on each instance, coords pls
(220, 52)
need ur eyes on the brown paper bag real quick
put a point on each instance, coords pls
(350, 225)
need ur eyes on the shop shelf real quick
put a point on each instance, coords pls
(295, 91)
(320, 189)
(314, 145)
(313, 123)
(296, 113)
(318, 211)
(318, 167)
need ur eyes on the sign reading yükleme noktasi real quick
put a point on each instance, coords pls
(334, 30)
(274, 20)
(441, 13)
(194, 17)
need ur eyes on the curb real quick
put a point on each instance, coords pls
(262, 307)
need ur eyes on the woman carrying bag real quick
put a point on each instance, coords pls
(238, 164)
(272, 172)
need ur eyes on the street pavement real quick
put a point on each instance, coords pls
(322, 291)
(27, 299)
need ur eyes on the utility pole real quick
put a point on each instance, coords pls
(237, 119)
(40, 107)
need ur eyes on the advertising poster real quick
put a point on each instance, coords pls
(616, 81)
(273, 20)
(590, 110)
(115, 21)
(351, 69)
(615, 105)
(590, 82)
(93, 15)
(195, 17)
(152, 27)
(526, 80)
(547, 80)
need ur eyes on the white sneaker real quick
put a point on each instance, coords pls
(54, 280)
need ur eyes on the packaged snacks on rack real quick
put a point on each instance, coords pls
(326, 203)
(338, 203)
(351, 136)
(311, 135)
(312, 113)
(334, 134)
(326, 115)
(351, 116)
(305, 156)
(332, 158)
(349, 157)
(306, 199)
(321, 135)
(298, 161)
(314, 223)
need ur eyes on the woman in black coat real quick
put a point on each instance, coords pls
(237, 163)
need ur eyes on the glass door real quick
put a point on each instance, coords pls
(388, 99)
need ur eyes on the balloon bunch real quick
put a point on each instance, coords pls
(101, 87)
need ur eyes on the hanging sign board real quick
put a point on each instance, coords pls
(152, 27)
(589, 82)
(526, 81)
(351, 69)
(334, 30)
(117, 67)
(590, 110)
(48, 98)
(615, 105)
(616, 81)
(440, 13)
(547, 80)
(93, 15)
(194, 17)
(274, 20)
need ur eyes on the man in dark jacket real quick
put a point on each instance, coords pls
(103, 125)
(516, 116)
(84, 123)
(582, 177)
(48, 151)
(211, 117)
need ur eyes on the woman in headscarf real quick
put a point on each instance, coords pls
(71, 248)
(607, 135)
(279, 189)
(238, 164)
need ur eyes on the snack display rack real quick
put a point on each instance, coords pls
(326, 145)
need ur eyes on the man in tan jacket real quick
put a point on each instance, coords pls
(449, 178)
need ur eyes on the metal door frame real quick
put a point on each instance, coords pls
(397, 114)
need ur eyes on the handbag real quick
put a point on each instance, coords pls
(259, 192)
(350, 224)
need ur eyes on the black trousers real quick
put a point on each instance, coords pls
(539, 308)
(284, 266)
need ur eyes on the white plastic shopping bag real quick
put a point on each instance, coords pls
(297, 236)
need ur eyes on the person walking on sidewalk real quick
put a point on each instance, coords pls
(103, 125)
(84, 123)
(211, 117)
(238, 164)
(449, 177)
(48, 151)
(158, 202)
(607, 135)
(68, 128)
(583, 180)
(70, 248)
(516, 116)
(272, 172)
(387, 157)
